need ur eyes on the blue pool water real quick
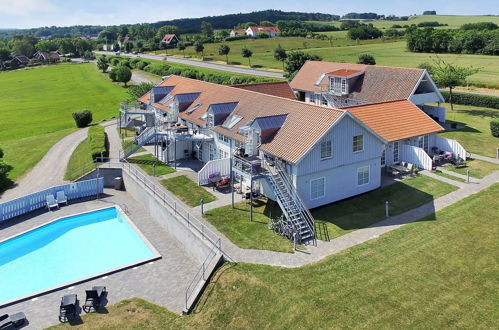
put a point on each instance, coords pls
(68, 250)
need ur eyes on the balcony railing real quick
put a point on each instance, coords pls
(249, 165)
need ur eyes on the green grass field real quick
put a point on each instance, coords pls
(478, 168)
(475, 135)
(440, 272)
(36, 107)
(187, 190)
(80, 162)
(148, 161)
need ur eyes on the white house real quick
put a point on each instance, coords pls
(254, 31)
(238, 32)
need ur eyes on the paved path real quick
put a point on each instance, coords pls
(484, 158)
(50, 170)
(207, 65)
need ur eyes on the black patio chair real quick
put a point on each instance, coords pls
(13, 321)
(94, 298)
(67, 310)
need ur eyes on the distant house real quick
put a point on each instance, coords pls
(170, 40)
(235, 33)
(124, 40)
(20, 60)
(254, 31)
(44, 57)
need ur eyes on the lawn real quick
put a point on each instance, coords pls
(364, 210)
(80, 162)
(440, 272)
(187, 190)
(478, 168)
(235, 224)
(36, 106)
(125, 144)
(475, 134)
(147, 162)
(448, 176)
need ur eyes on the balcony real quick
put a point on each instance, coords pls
(248, 166)
(423, 98)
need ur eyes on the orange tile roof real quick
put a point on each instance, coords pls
(279, 88)
(304, 125)
(395, 120)
(377, 84)
(344, 72)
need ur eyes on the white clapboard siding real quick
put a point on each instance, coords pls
(453, 146)
(416, 156)
(220, 166)
(37, 200)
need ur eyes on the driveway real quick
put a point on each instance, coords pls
(207, 65)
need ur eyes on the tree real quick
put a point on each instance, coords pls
(295, 61)
(247, 53)
(224, 50)
(5, 54)
(46, 46)
(116, 47)
(206, 29)
(65, 46)
(166, 29)
(82, 118)
(450, 75)
(22, 47)
(103, 63)
(199, 48)
(280, 55)
(366, 59)
(364, 32)
(108, 35)
(181, 47)
(266, 23)
(128, 46)
(137, 91)
(123, 74)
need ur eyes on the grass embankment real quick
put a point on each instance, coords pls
(187, 190)
(148, 162)
(83, 159)
(475, 134)
(440, 272)
(36, 107)
(478, 168)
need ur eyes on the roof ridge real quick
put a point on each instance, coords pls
(372, 103)
(369, 65)
(260, 83)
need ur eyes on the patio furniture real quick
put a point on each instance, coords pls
(13, 321)
(51, 202)
(61, 197)
(93, 299)
(459, 163)
(67, 310)
(223, 182)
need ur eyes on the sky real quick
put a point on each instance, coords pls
(37, 13)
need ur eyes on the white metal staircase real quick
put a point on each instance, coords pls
(147, 135)
(291, 204)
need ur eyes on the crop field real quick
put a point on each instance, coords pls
(36, 107)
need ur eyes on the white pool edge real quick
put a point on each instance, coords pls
(156, 255)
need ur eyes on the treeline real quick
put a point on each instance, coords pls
(302, 29)
(477, 38)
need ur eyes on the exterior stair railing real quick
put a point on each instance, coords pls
(146, 136)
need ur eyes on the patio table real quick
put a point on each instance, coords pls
(400, 168)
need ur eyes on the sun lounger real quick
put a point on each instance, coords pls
(94, 298)
(61, 197)
(51, 202)
(67, 310)
(12, 321)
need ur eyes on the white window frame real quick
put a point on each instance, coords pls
(329, 153)
(323, 188)
(396, 150)
(354, 144)
(344, 86)
(362, 169)
(383, 157)
(223, 138)
(331, 84)
(311, 98)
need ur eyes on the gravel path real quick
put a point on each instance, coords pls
(50, 170)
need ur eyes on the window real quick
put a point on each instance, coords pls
(312, 98)
(396, 152)
(423, 142)
(324, 101)
(331, 84)
(223, 154)
(343, 86)
(326, 149)
(383, 158)
(358, 143)
(223, 138)
(362, 175)
(232, 121)
(317, 188)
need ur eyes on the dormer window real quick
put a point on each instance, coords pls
(344, 86)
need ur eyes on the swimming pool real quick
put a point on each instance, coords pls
(68, 250)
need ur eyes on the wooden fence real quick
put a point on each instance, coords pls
(37, 200)
(217, 166)
(416, 156)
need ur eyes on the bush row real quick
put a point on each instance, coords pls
(476, 100)
(165, 69)
(98, 142)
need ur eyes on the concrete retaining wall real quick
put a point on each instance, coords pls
(107, 173)
(192, 243)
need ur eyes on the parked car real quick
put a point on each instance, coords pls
(117, 53)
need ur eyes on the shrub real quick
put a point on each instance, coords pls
(98, 142)
(494, 127)
(82, 118)
(476, 100)
(115, 61)
(366, 59)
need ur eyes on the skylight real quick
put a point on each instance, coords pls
(191, 110)
(232, 121)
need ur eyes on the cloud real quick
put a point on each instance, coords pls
(26, 7)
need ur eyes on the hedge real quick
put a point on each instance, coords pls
(494, 127)
(98, 142)
(476, 100)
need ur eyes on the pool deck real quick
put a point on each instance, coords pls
(162, 282)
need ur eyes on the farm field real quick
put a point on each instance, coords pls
(36, 106)
(439, 272)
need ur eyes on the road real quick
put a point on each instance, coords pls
(207, 65)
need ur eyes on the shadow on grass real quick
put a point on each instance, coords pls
(478, 113)
(462, 127)
(235, 63)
